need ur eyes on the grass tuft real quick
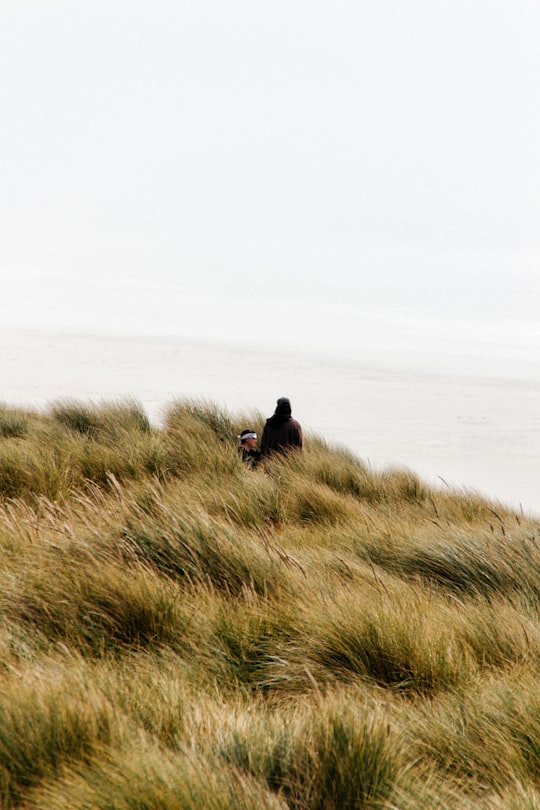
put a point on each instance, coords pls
(13, 422)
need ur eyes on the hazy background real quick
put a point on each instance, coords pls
(347, 188)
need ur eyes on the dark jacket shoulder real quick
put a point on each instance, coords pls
(279, 434)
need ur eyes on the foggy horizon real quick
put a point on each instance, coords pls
(381, 156)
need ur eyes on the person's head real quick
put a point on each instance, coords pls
(283, 407)
(248, 439)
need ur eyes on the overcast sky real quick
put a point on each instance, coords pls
(339, 169)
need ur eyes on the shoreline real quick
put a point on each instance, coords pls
(479, 434)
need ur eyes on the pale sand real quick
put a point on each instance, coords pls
(481, 434)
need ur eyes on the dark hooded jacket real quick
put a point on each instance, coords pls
(281, 432)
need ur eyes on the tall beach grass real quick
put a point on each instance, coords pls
(177, 630)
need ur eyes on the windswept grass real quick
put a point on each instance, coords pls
(179, 631)
(326, 756)
(109, 420)
(194, 548)
(43, 725)
(13, 422)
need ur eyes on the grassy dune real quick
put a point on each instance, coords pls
(180, 632)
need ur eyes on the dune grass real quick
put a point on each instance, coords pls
(179, 631)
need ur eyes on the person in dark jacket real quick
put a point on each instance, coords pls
(248, 447)
(281, 432)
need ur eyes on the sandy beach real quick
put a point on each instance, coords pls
(458, 429)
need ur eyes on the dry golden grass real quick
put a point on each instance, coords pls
(179, 631)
